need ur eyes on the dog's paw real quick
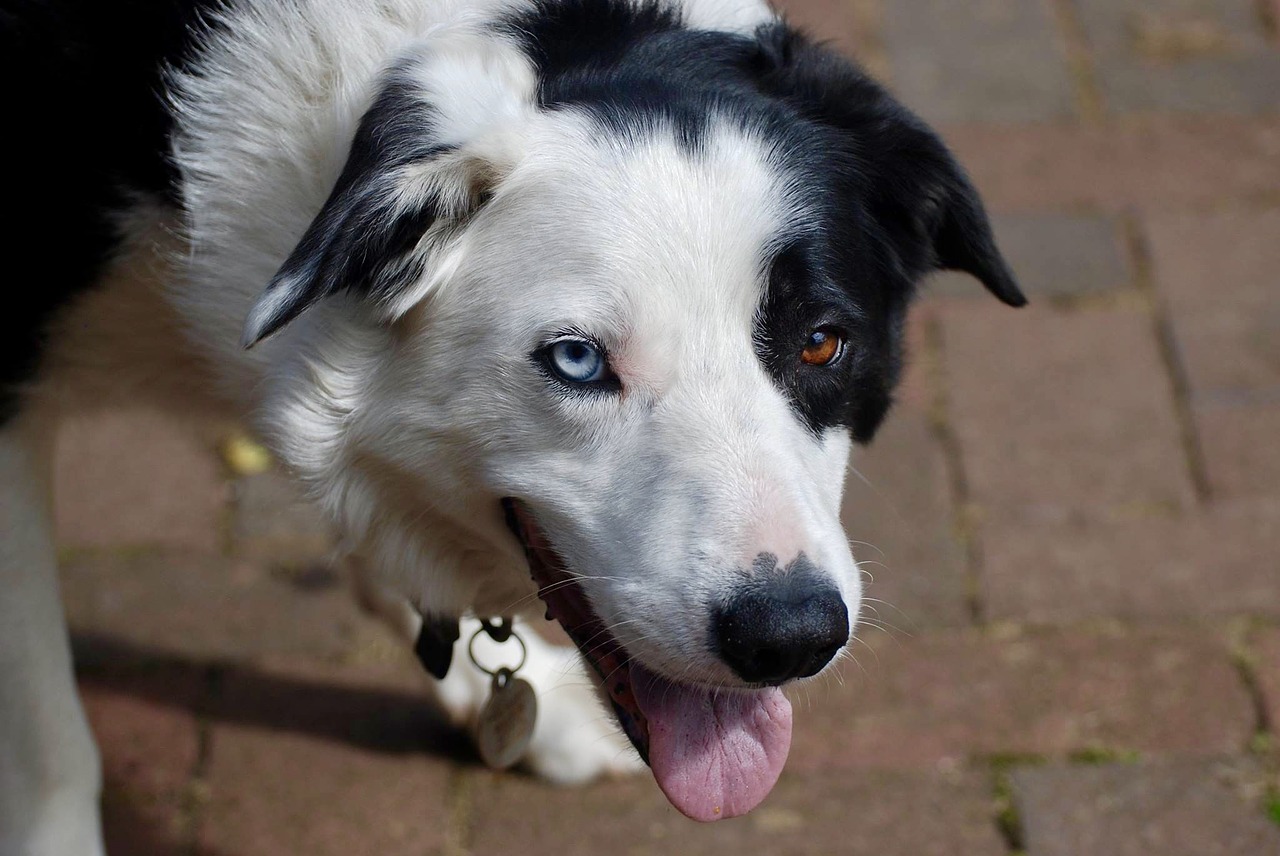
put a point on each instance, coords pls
(576, 739)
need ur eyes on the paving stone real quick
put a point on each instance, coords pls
(209, 607)
(273, 519)
(136, 477)
(1238, 440)
(1240, 85)
(1062, 414)
(1192, 55)
(872, 812)
(1171, 30)
(1053, 254)
(149, 751)
(272, 793)
(1159, 163)
(1179, 808)
(988, 60)
(944, 696)
(309, 758)
(1267, 670)
(1219, 561)
(1218, 273)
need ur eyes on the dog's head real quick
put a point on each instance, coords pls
(638, 289)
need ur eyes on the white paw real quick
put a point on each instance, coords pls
(576, 738)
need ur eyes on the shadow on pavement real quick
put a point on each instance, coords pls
(376, 718)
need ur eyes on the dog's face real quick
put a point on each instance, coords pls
(609, 343)
(641, 326)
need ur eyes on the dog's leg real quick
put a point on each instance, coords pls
(50, 776)
(575, 739)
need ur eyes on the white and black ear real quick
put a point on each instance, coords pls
(915, 190)
(400, 199)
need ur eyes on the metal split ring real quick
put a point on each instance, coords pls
(493, 673)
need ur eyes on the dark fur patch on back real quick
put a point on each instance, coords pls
(86, 126)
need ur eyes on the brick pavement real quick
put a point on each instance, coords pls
(1072, 521)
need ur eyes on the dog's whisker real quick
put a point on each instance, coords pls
(864, 643)
(893, 631)
(608, 633)
(549, 588)
(857, 543)
(867, 603)
(860, 476)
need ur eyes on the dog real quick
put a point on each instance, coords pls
(574, 303)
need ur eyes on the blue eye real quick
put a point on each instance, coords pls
(577, 361)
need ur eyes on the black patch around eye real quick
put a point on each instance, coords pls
(90, 128)
(851, 392)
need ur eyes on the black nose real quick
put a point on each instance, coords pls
(779, 629)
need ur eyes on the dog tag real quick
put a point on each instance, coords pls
(506, 720)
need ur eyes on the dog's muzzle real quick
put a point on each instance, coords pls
(715, 751)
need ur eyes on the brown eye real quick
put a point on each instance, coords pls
(823, 347)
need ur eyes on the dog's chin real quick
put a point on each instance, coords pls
(715, 751)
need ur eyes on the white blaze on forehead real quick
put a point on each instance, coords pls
(665, 243)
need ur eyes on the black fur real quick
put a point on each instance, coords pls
(434, 646)
(86, 126)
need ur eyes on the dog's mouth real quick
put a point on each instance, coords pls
(715, 752)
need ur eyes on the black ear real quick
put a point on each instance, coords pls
(913, 187)
(400, 197)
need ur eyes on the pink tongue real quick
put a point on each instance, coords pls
(714, 756)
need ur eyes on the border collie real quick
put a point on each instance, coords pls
(594, 292)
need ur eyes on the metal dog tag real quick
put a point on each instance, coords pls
(506, 721)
